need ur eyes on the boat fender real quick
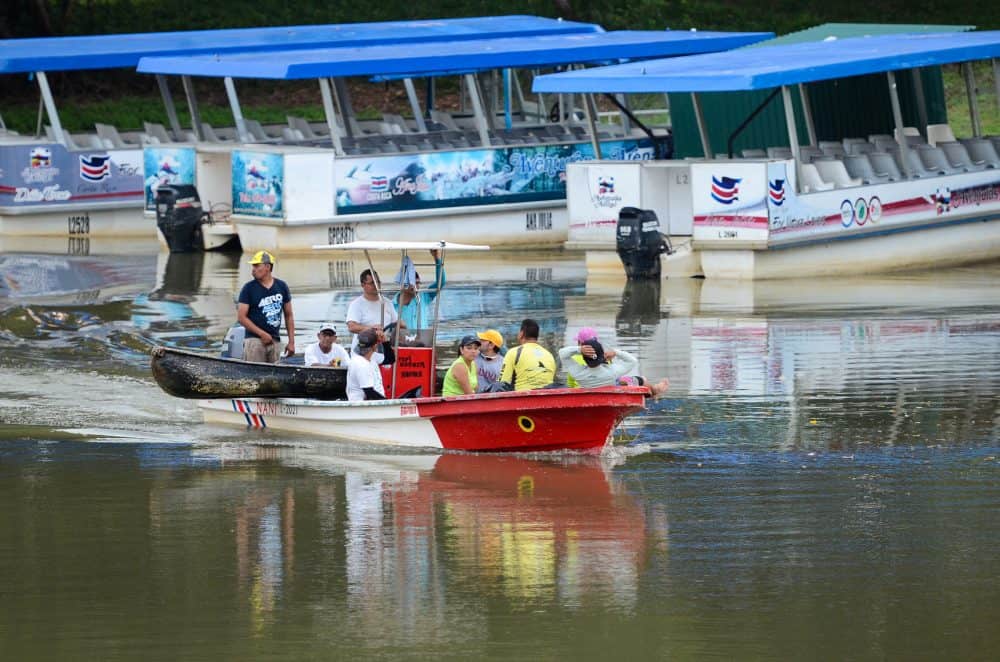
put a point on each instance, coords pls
(232, 346)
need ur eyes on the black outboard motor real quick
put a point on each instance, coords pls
(640, 243)
(179, 216)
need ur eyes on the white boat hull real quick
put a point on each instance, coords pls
(111, 220)
(581, 419)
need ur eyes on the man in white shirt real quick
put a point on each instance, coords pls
(364, 376)
(370, 310)
(326, 353)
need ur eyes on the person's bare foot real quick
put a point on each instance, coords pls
(660, 387)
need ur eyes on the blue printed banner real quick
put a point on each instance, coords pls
(467, 177)
(258, 179)
(34, 175)
(166, 165)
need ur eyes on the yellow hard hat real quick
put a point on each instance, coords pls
(262, 257)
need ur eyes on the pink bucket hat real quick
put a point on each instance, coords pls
(585, 334)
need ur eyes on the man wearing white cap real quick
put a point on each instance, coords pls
(262, 302)
(326, 353)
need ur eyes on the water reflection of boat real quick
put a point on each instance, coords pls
(403, 530)
(55, 279)
(532, 529)
(193, 301)
(78, 245)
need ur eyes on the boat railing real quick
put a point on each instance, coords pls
(877, 158)
(300, 132)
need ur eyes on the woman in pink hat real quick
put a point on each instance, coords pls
(588, 364)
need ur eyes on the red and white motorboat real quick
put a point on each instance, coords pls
(554, 419)
(577, 419)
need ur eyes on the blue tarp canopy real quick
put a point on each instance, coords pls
(773, 66)
(428, 59)
(125, 50)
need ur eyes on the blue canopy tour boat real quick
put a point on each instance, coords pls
(56, 183)
(914, 197)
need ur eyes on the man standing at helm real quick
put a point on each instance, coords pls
(262, 302)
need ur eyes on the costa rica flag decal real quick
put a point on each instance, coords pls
(95, 167)
(725, 190)
(776, 191)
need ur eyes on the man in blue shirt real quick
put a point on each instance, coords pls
(262, 302)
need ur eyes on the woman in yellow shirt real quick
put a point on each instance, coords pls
(461, 377)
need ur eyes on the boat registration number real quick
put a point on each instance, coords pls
(78, 224)
(340, 234)
(538, 220)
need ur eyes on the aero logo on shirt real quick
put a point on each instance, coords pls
(270, 307)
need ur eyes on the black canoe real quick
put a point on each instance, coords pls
(191, 375)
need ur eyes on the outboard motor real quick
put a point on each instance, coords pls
(179, 216)
(232, 346)
(640, 243)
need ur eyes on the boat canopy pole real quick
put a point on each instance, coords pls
(431, 94)
(399, 321)
(793, 131)
(192, 103)
(418, 115)
(490, 88)
(918, 90)
(168, 103)
(622, 102)
(699, 116)
(3, 125)
(807, 111)
(590, 109)
(346, 109)
(50, 107)
(438, 273)
(897, 117)
(331, 115)
(754, 113)
(41, 113)
(234, 106)
(972, 92)
(477, 109)
(508, 123)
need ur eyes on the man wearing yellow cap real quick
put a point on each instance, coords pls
(262, 302)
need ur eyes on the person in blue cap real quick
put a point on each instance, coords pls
(261, 304)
